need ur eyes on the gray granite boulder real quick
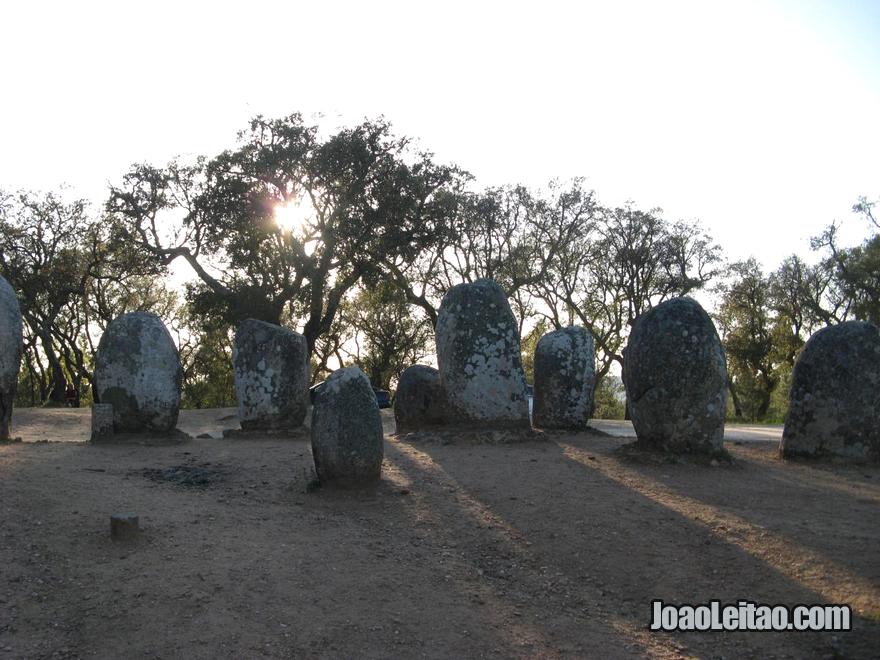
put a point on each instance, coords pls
(419, 402)
(478, 352)
(565, 373)
(137, 371)
(271, 368)
(675, 375)
(10, 353)
(347, 437)
(834, 402)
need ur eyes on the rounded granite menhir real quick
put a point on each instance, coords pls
(10, 353)
(347, 437)
(565, 373)
(138, 371)
(676, 378)
(271, 366)
(834, 402)
(419, 402)
(478, 352)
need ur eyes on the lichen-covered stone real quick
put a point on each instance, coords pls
(347, 438)
(834, 402)
(565, 373)
(271, 366)
(419, 402)
(137, 371)
(10, 353)
(676, 378)
(102, 421)
(478, 352)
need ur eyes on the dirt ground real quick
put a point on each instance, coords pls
(549, 548)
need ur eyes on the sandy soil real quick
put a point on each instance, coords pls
(549, 548)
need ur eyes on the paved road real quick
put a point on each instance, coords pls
(73, 425)
(732, 432)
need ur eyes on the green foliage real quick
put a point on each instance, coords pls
(377, 233)
(206, 357)
(857, 273)
(390, 334)
(509, 234)
(528, 345)
(617, 264)
(363, 196)
(72, 275)
(744, 317)
(609, 398)
(850, 275)
(779, 399)
(765, 321)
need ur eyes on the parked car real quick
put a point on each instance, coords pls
(383, 397)
(313, 391)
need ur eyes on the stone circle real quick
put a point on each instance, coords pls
(138, 372)
(347, 436)
(419, 402)
(271, 369)
(676, 378)
(834, 401)
(11, 332)
(565, 373)
(478, 353)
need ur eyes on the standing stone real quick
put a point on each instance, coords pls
(565, 373)
(10, 353)
(271, 367)
(834, 403)
(478, 352)
(347, 438)
(676, 378)
(419, 402)
(102, 421)
(137, 371)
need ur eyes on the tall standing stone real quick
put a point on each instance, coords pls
(834, 402)
(347, 437)
(419, 402)
(478, 352)
(676, 378)
(565, 373)
(138, 372)
(10, 353)
(271, 366)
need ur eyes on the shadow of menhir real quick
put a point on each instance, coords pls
(564, 527)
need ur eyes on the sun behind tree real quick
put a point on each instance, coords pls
(294, 217)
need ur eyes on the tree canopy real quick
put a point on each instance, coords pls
(353, 236)
(363, 197)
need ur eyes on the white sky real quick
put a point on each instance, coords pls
(760, 119)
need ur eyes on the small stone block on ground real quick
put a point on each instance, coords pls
(124, 526)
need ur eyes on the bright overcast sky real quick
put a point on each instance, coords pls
(760, 119)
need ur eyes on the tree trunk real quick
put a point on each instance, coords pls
(737, 408)
(58, 388)
(763, 408)
(376, 377)
(766, 396)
